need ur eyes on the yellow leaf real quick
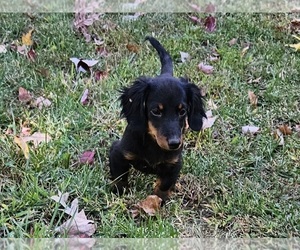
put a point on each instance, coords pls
(296, 46)
(26, 38)
(23, 145)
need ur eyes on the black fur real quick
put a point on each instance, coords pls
(156, 109)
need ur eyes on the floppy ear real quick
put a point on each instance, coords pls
(196, 110)
(133, 101)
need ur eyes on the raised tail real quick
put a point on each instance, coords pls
(165, 58)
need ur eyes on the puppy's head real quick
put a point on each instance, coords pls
(161, 106)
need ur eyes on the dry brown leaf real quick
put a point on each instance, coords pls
(297, 128)
(24, 95)
(41, 102)
(150, 206)
(209, 121)
(25, 131)
(132, 47)
(26, 38)
(244, 51)
(253, 98)
(3, 48)
(285, 129)
(61, 198)
(279, 136)
(23, 145)
(37, 138)
(84, 98)
(207, 69)
(76, 225)
(31, 55)
(184, 56)
(233, 41)
(250, 129)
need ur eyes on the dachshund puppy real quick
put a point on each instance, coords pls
(157, 110)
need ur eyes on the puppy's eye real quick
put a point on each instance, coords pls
(156, 112)
(182, 112)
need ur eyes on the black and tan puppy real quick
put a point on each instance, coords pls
(157, 110)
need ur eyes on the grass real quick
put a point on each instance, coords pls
(232, 185)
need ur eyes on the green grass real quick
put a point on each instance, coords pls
(232, 185)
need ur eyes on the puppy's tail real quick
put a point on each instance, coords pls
(165, 58)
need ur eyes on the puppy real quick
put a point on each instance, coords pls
(157, 110)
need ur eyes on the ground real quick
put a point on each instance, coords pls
(232, 184)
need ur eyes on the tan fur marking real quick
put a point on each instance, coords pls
(180, 106)
(160, 106)
(129, 156)
(161, 140)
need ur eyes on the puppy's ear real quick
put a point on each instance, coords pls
(133, 101)
(196, 110)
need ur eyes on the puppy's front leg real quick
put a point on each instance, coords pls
(166, 181)
(119, 168)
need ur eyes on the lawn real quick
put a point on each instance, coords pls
(232, 184)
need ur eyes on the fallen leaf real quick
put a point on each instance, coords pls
(78, 224)
(24, 95)
(207, 69)
(25, 131)
(150, 205)
(295, 25)
(31, 55)
(83, 65)
(26, 38)
(132, 47)
(297, 45)
(214, 58)
(250, 129)
(297, 128)
(87, 157)
(41, 102)
(210, 23)
(9, 131)
(101, 51)
(209, 121)
(244, 51)
(184, 56)
(285, 129)
(279, 136)
(61, 198)
(100, 75)
(253, 98)
(22, 49)
(196, 20)
(3, 48)
(257, 80)
(233, 41)
(37, 138)
(23, 145)
(84, 98)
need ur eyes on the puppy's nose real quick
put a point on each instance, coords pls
(174, 143)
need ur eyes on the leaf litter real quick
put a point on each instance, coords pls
(78, 224)
(149, 206)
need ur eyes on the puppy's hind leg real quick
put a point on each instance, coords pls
(119, 168)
